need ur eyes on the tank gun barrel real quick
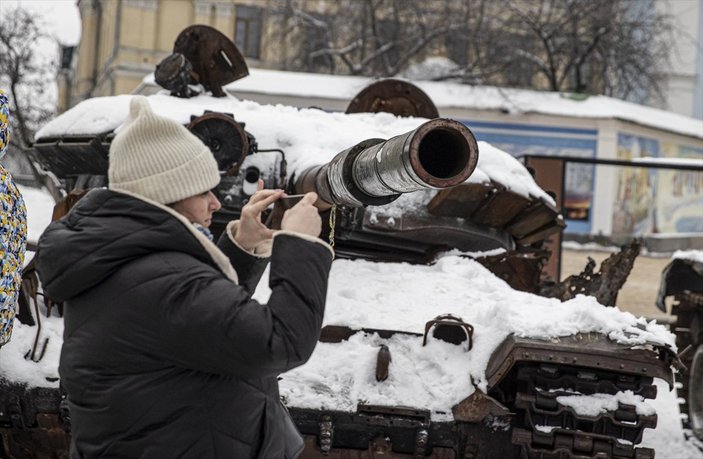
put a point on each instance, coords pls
(441, 153)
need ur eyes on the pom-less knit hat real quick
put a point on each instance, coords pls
(158, 158)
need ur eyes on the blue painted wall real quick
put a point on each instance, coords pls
(519, 139)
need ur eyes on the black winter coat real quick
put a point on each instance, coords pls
(163, 355)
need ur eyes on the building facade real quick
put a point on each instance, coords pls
(122, 41)
(683, 80)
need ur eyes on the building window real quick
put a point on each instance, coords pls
(67, 53)
(247, 30)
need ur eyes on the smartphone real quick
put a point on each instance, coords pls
(290, 200)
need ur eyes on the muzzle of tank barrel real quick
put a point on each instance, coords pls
(441, 153)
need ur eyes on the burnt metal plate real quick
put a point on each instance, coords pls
(225, 138)
(398, 97)
(339, 333)
(71, 156)
(445, 231)
(460, 201)
(679, 276)
(591, 350)
(500, 208)
(537, 215)
(554, 227)
(204, 47)
(521, 271)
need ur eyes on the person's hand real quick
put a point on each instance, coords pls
(303, 217)
(252, 231)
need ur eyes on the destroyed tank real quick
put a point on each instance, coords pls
(682, 281)
(400, 202)
(442, 360)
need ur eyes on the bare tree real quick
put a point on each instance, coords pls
(25, 74)
(636, 52)
(363, 37)
(613, 47)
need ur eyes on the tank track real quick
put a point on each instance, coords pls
(546, 429)
(688, 309)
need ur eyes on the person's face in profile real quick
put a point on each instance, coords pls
(198, 208)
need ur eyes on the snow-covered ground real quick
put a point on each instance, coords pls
(356, 288)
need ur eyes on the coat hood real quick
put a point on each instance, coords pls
(104, 231)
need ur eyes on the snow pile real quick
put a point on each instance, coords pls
(308, 137)
(15, 367)
(694, 255)
(593, 405)
(341, 375)
(545, 429)
(399, 296)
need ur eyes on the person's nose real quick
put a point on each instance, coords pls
(215, 204)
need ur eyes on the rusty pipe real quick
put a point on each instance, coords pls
(441, 153)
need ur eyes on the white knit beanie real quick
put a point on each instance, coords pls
(158, 158)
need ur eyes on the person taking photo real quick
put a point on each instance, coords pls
(165, 353)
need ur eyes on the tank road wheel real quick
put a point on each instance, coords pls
(695, 393)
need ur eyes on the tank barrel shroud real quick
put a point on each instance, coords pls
(441, 153)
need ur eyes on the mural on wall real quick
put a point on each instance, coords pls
(635, 190)
(651, 200)
(679, 197)
(519, 140)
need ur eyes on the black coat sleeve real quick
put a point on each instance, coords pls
(211, 324)
(249, 267)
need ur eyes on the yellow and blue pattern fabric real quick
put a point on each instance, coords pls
(13, 234)
(4, 123)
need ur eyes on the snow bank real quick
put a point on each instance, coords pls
(308, 137)
(399, 296)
